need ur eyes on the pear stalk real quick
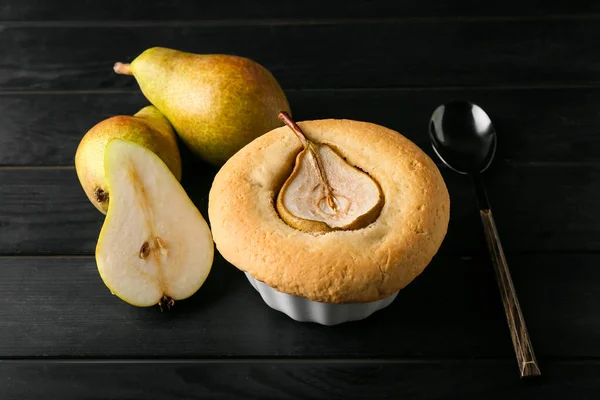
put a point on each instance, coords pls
(286, 119)
(122, 68)
(309, 146)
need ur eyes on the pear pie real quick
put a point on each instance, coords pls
(334, 211)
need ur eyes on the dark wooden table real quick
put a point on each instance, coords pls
(534, 66)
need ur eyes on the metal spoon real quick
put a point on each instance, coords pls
(464, 139)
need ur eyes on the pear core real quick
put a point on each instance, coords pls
(324, 192)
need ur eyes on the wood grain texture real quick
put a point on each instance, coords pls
(46, 129)
(537, 207)
(541, 125)
(369, 53)
(75, 315)
(138, 10)
(59, 307)
(44, 212)
(279, 380)
(545, 207)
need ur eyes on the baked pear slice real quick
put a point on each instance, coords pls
(324, 192)
(154, 247)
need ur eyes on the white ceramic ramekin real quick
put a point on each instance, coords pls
(305, 310)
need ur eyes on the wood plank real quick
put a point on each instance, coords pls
(368, 53)
(59, 307)
(279, 380)
(45, 212)
(546, 207)
(138, 10)
(537, 207)
(45, 129)
(542, 125)
(75, 315)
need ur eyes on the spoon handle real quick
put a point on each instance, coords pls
(516, 323)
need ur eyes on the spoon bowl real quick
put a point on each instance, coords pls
(463, 137)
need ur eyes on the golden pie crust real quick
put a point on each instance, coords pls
(355, 266)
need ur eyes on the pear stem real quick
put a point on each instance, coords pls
(308, 145)
(286, 119)
(122, 69)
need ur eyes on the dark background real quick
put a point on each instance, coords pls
(533, 66)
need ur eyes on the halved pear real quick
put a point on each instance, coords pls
(324, 192)
(155, 247)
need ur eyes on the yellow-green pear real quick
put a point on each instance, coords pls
(217, 103)
(148, 127)
(154, 247)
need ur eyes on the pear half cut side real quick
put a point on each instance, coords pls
(324, 192)
(154, 246)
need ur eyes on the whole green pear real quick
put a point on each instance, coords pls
(148, 127)
(217, 103)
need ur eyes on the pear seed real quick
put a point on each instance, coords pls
(144, 250)
(161, 245)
